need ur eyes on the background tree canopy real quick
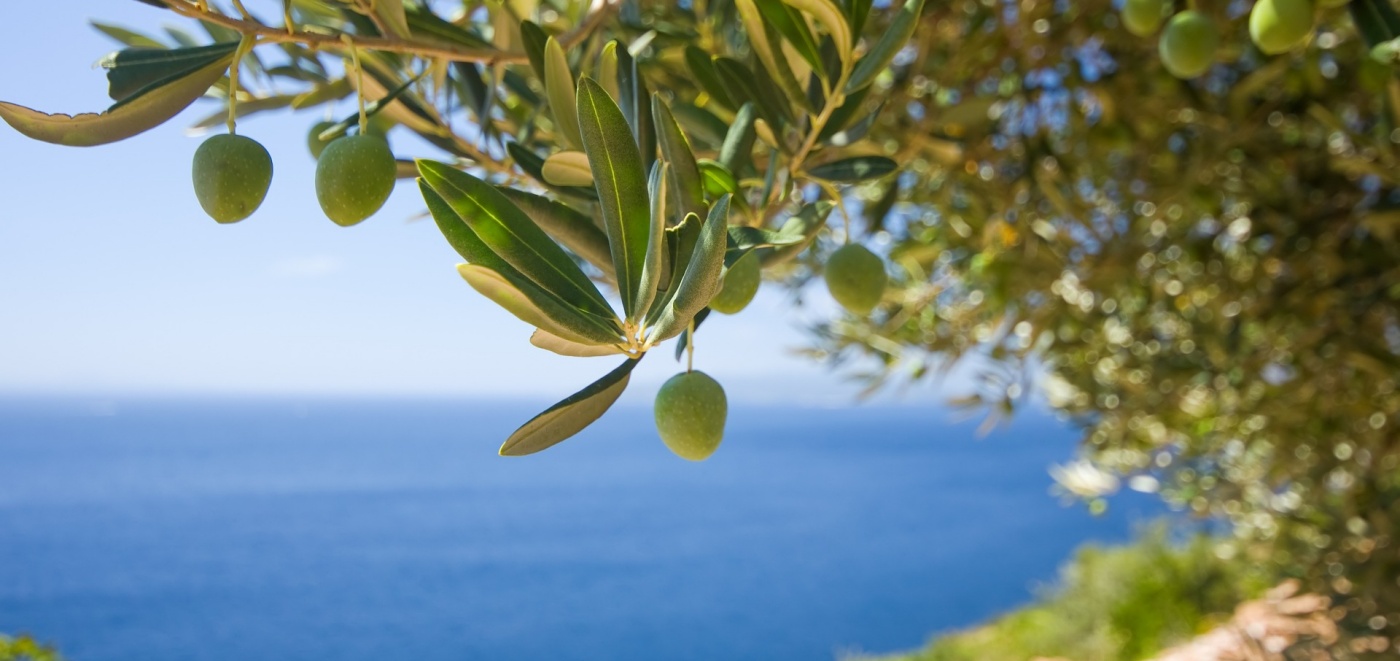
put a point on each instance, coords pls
(1201, 271)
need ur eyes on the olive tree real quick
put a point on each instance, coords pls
(1181, 219)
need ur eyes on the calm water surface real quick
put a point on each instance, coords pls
(359, 529)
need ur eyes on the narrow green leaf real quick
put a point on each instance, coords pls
(688, 188)
(621, 184)
(701, 125)
(656, 241)
(142, 110)
(534, 306)
(579, 233)
(534, 39)
(568, 168)
(736, 154)
(856, 168)
(426, 25)
(703, 68)
(636, 107)
(806, 225)
(882, 53)
(790, 24)
(856, 12)
(512, 235)
(769, 51)
(391, 14)
(559, 87)
(134, 69)
(702, 276)
(833, 19)
(607, 70)
(680, 248)
(571, 415)
(518, 295)
(740, 81)
(553, 343)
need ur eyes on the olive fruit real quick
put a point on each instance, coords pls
(1188, 43)
(856, 278)
(741, 282)
(354, 177)
(1142, 17)
(231, 176)
(690, 412)
(314, 141)
(1279, 26)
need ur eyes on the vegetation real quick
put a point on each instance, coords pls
(25, 648)
(1185, 227)
(1115, 604)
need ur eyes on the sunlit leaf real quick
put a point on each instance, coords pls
(568, 168)
(571, 415)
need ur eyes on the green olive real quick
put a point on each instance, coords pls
(690, 412)
(1279, 26)
(741, 282)
(1143, 17)
(354, 177)
(314, 141)
(231, 177)
(1188, 44)
(856, 278)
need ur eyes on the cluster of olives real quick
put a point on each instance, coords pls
(1190, 38)
(354, 176)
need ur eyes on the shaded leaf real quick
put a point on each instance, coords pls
(856, 168)
(688, 189)
(553, 343)
(702, 66)
(790, 24)
(534, 39)
(134, 69)
(656, 241)
(736, 154)
(702, 276)
(514, 237)
(579, 233)
(882, 53)
(142, 110)
(571, 415)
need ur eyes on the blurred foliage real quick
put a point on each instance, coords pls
(1205, 272)
(1114, 604)
(25, 648)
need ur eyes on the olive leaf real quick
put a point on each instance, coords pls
(571, 415)
(391, 13)
(146, 108)
(773, 59)
(702, 66)
(534, 39)
(567, 168)
(790, 24)
(559, 87)
(833, 19)
(511, 234)
(607, 70)
(575, 231)
(534, 306)
(133, 69)
(533, 165)
(805, 225)
(553, 343)
(856, 168)
(518, 295)
(737, 151)
(621, 185)
(702, 276)
(882, 53)
(688, 188)
(656, 240)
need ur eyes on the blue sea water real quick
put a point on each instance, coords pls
(389, 529)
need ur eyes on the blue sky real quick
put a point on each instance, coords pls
(112, 280)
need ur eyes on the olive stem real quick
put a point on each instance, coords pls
(690, 347)
(199, 9)
(287, 17)
(359, 79)
(244, 45)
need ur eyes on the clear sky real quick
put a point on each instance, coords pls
(112, 280)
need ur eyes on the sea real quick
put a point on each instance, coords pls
(305, 529)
